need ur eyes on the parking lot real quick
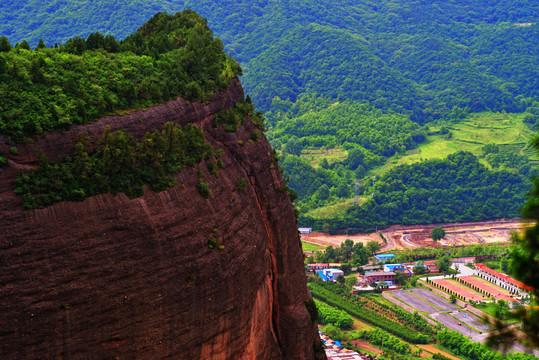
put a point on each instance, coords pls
(442, 311)
(413, 301)
(452, 324)
(434, 299)
(470, 319)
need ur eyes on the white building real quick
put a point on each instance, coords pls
(305, 230)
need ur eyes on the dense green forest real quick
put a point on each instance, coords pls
(417, 57)
(458, 188)
(49, 88)
(351, 89)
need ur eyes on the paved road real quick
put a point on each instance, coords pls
(464, 270)
(406, 239)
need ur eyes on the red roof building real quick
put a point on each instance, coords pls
(380, 276)
(502, 280)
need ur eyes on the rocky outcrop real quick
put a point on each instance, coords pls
(113, 277)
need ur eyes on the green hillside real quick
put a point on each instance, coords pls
(421, 58)
(352, 89)
(331, 179)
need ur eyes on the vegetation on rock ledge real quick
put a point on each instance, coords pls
(119, 164)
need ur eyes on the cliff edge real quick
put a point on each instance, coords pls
(113, 277)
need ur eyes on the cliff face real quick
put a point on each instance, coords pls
(113, 277)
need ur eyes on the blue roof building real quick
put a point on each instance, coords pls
(392, 267)
(305, 230)
(384, 257)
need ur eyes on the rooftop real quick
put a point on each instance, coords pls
(371, 267)
(378, 273)
(507, 278)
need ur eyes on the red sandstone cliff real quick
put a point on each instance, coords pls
(113, 277)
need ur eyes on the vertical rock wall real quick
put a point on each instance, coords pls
(113, 277)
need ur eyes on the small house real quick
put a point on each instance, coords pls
(376, 276)
(392, 267)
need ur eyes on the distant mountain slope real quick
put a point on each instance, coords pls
(475, 54)
(57, 20)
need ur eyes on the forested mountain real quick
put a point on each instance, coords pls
(351, 82)
(420, 57)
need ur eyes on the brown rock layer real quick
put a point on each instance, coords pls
(113, 277)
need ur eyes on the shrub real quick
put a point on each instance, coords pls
(204, 189)
(232, 118)
(215, 242)
(119, 164)
(241, 184)
(255, 135)
(212, 168)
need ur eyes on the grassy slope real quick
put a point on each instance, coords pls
(332, 155)
(471, 134)
(310, 247)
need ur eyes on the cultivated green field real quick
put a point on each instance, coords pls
(338, 208)
(332, 155)
(470, 134)
(310, 247)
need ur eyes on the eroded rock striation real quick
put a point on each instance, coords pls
(113, 277)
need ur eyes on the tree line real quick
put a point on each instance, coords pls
(458, 188)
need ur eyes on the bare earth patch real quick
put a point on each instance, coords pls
(408, 237)
(336, 240)
(434, 350)
(366, 346)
